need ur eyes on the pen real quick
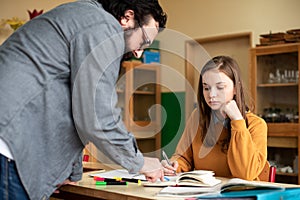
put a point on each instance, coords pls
(132, 180)
(167, 159)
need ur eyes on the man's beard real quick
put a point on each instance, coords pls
(127, 56)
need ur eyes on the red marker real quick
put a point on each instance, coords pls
(272, 174)
(97, 178)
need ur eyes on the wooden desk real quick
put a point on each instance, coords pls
(87, 190)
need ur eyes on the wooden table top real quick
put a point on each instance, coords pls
(86, 189)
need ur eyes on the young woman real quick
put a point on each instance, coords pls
(222, 134)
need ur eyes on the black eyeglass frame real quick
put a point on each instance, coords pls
(147, 42)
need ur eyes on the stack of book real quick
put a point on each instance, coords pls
(235, 188)
(289, 36)
(293, 35)
(272, 38)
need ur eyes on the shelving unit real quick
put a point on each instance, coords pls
(139, 95)
(275, 89)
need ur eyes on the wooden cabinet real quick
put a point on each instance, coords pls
(275, 89)
(139, 97)
(139, 94)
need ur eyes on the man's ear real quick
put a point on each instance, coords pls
(127, 20)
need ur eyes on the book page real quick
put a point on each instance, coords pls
(168, 181)
(236, 184)
(188, 191)
(197, 178)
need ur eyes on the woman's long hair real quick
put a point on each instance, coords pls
(228, 66)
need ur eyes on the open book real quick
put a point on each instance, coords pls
(232, 185)
(197, 178)
(241, 189)
(236, 184)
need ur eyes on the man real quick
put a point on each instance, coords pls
(57, 93)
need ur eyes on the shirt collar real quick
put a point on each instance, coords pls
(218, 120)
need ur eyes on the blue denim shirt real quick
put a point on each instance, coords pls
(57, 80)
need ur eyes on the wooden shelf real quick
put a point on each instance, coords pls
(283, 142)
(286, 174)
(277, 84)
(283, 129)
(146, 135)
(142, 123)
(144, 92)
(276, 49)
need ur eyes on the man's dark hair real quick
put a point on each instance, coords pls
(142, 9)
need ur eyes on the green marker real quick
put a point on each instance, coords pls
(111, 183)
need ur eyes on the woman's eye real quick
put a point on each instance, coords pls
(221, 87)
(206, 88)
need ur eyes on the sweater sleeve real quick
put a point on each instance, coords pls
(247, 153)
(94, 98)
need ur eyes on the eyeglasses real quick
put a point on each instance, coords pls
(147, 41)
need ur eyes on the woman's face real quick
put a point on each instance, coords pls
(218, 88)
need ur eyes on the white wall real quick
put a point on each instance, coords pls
(204, 18)
(18, 8)
(195, 19)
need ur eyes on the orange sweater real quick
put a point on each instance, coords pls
(245, 158)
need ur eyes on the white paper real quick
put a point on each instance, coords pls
(119, 173)
(187, 191)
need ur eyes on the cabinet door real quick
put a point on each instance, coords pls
(274, 86)
(277, 86)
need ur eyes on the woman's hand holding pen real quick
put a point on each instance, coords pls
(169, 170)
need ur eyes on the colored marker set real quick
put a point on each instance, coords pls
(115, 181)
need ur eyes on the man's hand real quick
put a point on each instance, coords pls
(152, 169)
(67, 181)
